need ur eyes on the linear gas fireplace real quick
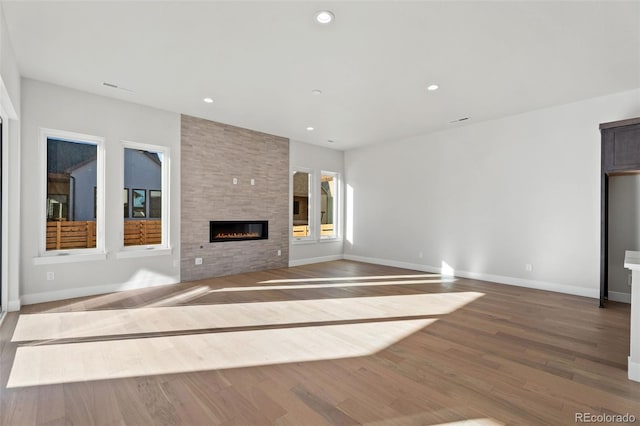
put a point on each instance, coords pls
(238, 230)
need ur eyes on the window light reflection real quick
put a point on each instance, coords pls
(78, 362)
(114, 322)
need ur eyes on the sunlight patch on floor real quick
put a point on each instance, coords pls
(333, 285)
(78, 362)
(181, 297)
(422, 418)
(83, 324)
(373, 277)
(473, 422)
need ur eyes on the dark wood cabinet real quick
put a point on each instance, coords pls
(620, 148)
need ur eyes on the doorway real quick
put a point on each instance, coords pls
(620, 156)
(624, 232)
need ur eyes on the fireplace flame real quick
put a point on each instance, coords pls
(237, 235)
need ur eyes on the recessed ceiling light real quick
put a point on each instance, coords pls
(432, 87)
(208, 100)
(316, 92)
(324, 17)
(309, 128)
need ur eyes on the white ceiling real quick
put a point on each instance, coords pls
(260, 60)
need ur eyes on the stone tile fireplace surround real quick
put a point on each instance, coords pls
(219, 162)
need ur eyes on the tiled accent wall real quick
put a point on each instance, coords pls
(212, 155)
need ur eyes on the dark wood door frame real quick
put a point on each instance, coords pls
(620, 155)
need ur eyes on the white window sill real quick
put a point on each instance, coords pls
(143, 252)
(68, 258)
(312, 241)
(331, 240)
(303, 241)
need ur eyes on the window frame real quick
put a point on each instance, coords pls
(149, 208)
(126, 215)
(336, 206)
(310, 206)
(145, 206)
(165, 244)
(67, 136)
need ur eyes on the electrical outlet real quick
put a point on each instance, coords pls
(253, 182)
(235, 181)
(528, 267)
(51, 276)
(279, 252)
(420, 255)
(198, 261)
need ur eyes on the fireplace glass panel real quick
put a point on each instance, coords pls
(238, 230)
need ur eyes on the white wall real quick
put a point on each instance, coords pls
(316, 159)
(490, 197)
(10, 110)
(624, 232)
(54, 107)
(8, 64)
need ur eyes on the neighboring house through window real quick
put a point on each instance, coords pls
(329, 201)
(74, 192)
(315, 205)
(145, 173)
(302, 204)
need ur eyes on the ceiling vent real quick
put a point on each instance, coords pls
(115, 86)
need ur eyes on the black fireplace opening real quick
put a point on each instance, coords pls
(238, 230)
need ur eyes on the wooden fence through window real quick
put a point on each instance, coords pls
(82, 234)
(326, 230)
(142, 232)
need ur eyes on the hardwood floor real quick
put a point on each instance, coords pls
(334, 343)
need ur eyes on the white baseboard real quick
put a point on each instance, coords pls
(50, 296)
(13, 305)
(620, 297)
(634, 370)
(310, 260)
(519, 282)
(394, 263)
(538, 285)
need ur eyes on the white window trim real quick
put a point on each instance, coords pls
(72, 255)
(62, 257)
(10, 210)
(4, 217)
(311, 207)
(143, 251)
(164, 248)
(337, 206)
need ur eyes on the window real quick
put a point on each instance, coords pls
(58, 207)
(301, 204)
(139, 203)
(145, 172)
(74, 192)
(328, 205)
(155, 203)
(125, 200)
(315, 205)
